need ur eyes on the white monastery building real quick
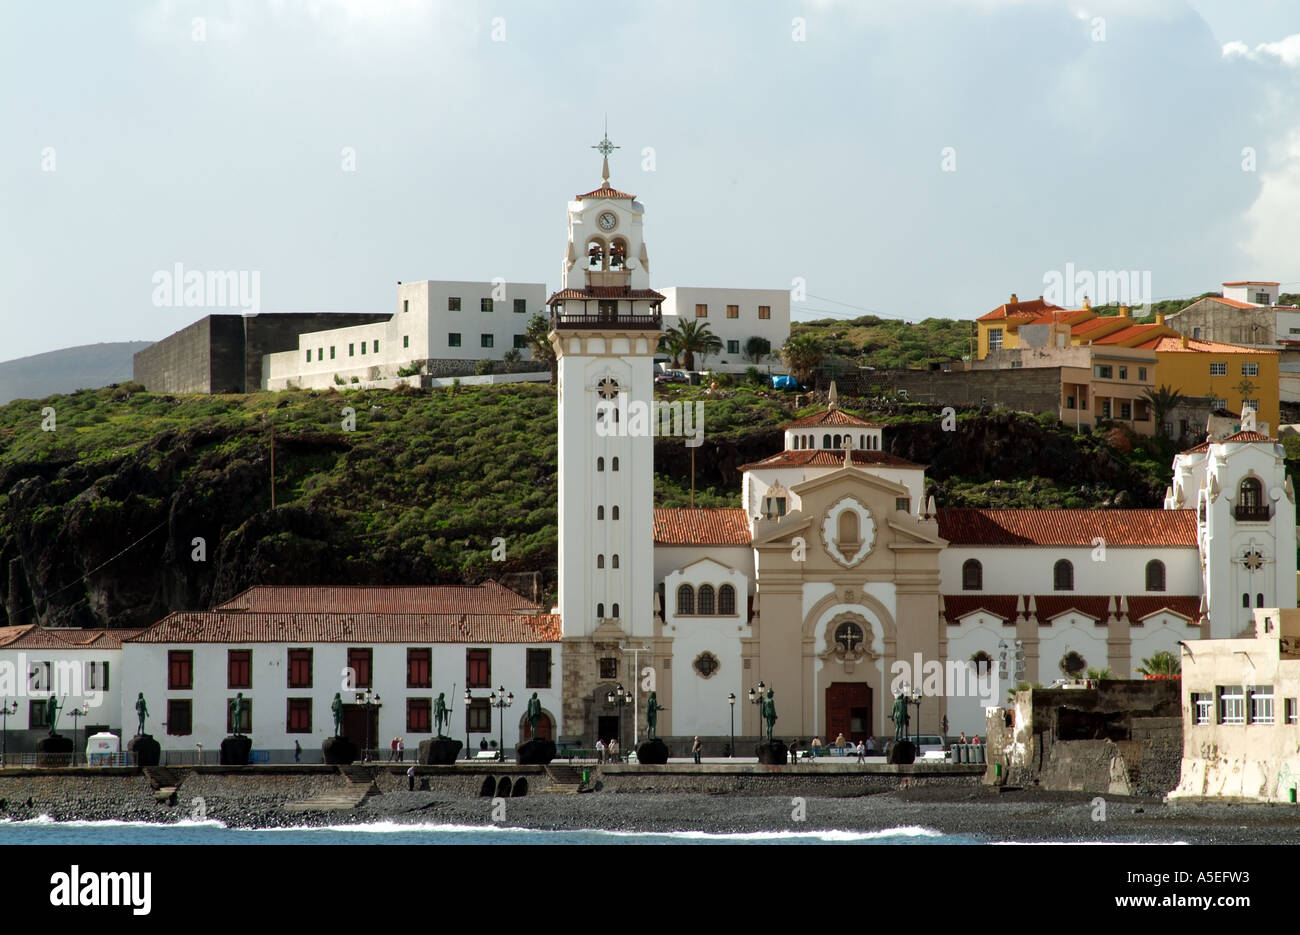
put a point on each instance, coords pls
(735, 316)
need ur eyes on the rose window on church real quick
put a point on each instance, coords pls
(848, 636)
(706, 664)
(607, 388)
(1073, 665)
(1252, 559)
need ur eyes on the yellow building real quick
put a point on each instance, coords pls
(1229, 374)
(999, 329)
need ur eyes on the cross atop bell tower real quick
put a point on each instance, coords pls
(605, 147)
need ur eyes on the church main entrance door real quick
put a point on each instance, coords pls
(848, 711)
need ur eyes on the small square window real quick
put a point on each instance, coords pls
(453, 303)
(1218, 369)
(453, 339)
(765, 311)
(521, 306)
(180, 717)
(419, 715)
(485, 340)
(733, 311)
(1142, 374)
(478, 717)
(521, 342)
(485, 305)
(701, 311)
(733, 347)
(298, 720)
(609, 667)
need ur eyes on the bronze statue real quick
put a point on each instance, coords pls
(141, 711)
(652, 709)
(337, 707)
(899, 717)
(534, 713)
(237, 712)
(440, 713)
(769, 713)
(52, 713)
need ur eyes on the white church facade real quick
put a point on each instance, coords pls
(837, 578)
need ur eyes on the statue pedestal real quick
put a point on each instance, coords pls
(145, 750)
(772, 754)
(235, 750)
(535, 752)
(54, 750)
(440, 752)
(652, 752)
(902, 752)
(338, 751)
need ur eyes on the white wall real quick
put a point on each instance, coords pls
(679, 305)
(1029, 569)
(70, 673)
(1070, 632)
(977, 632)
(146, 665)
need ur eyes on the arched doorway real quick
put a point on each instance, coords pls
(545, 727)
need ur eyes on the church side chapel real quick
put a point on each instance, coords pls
(837, 579)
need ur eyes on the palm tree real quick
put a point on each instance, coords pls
(757, 348)
(1162, 663)
(539, 344)
(688, 338)
(1096, 675)
(802, 354)
(1162, 402)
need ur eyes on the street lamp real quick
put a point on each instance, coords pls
(500, 700)
(620, 698)
(468, 699)
(5, 711)
(756, 697)
(731, 700)
(75, 714)
(914, 698)
(369, 699)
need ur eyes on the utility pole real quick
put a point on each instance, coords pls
(272, 425)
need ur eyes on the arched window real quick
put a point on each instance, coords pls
(807, 441)
(1251, 494)
(826, 441)
(837, 442)
(615, 515)
(848, 528)
(600, 561)
(595, 253)
(727, 600)
(617, 253)
(685, 600)
(982, 663)
(1245, 601)
(706, 599)
(600, 464)
(1259, 600)
(1063, 576)
(600, 611)
(1155, 575)
(615, 564)
(616, 610)
(614, 467)
(972, 575)
(600, 512)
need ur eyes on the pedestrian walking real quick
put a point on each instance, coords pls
(862, 752)
(613, 750)
(297, 752)
(392, 750)
(871, 746)
(401, 749)
(695, 749)
(410, 778)
(600, 750)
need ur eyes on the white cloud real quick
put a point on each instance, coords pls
(1274, 217)
(1287, 51)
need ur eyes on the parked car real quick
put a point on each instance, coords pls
(671, 376)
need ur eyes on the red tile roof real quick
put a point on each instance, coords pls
(605, 292)
(604, 192)
(486, 598)
(239, 627)
(831, 417)
(1234, 303)
(1120, 528)
(701, 526)
(1252, 282)
(1130, 331)
(1030, 308)
(1092, 324)
(1047, 606)
(30, 636)
(1248, 437)
(829, 458)
(1198, 346)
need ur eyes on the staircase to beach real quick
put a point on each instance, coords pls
(358, 785)
(565, 780)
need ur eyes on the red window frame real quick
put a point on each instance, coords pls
(180, 669)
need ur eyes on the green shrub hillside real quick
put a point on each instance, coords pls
(137, 504)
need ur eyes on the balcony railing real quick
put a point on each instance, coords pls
(1253, 513)
(616, 320)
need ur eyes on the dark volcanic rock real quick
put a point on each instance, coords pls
(534, 752)
(339, 751)
(439, 752)
(147, 751)
(652, 752)
(235, 750)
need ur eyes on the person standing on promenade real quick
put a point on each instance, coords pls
(862, 752)
(695, 749)
(410, 778)
(392, 750)
(600, 750)
(297, 752)
(401, 749)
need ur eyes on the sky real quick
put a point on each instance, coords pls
(913, 159)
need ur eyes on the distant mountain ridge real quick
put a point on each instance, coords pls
(88, 366)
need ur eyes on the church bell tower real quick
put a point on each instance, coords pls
(605, 325)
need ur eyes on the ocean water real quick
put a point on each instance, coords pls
(44, 830)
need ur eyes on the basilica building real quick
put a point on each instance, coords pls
(837, 580)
